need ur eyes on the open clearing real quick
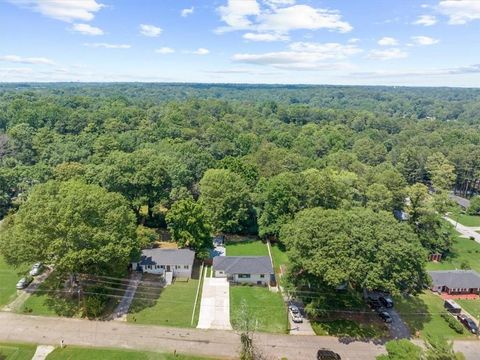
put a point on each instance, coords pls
(8, 278)
(265, 306)
(247, 248)
(464, 252)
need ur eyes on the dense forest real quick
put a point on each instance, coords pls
(282, 162)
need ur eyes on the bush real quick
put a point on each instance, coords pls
(474, 208)
(452, 322)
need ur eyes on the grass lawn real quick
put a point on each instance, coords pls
(467, 220)
(349, 328)
(8, 278)
(279, 255)
(247, 248)
(422, 313)
(471, 306)
(169, 306)
(464, 251)
(17, 351)
(80, 353)
(265, 306)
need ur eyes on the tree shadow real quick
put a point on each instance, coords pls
(413, 311)
(148, 292)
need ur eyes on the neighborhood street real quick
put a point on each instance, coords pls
(466, 231)
(217, 343)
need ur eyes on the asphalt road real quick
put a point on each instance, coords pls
(216, 343)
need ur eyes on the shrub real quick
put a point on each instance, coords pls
(452, 322)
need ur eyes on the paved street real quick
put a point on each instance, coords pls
(215, 304)
(464, 230)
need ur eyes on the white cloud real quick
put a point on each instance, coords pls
(165, 50)
(426, 20)
(235, 14)
(87, 29)
(387, 54)
(302, 56)
(150, 30)
(188, 11)
(424, 40)
(201, 51)
(26, 60)
(265, 37)
(108, 45)
(387, 41)
(64, 10)
(460, 11)
(280, 17)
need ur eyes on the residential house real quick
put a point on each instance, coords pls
(244, 269)
(175, 262)
(455, 281)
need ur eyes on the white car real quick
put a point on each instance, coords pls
(295, 314)
(36, 269)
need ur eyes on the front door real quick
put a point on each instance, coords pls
(168, 268)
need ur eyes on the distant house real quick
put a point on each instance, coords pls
(244, 269)
(455, 281)
(167, 262)
(400, 215)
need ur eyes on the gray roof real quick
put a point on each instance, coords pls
(243, 264)
(456, 279)
(167, 257)
(465, 203)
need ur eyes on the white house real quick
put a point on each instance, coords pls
(178, 262)
(244, 269)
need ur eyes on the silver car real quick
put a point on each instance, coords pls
(295, 314)
(24, 282)
(36, 269)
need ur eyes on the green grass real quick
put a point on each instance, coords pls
(467, 220)
(199, 297)
(169, 306)
(265, 306)
(471, 306)
(422, 314)
(279, 255)
(8, 279)
(80, 353)
(464, 251)
(349, 328)
(15, 351)
(247, 248)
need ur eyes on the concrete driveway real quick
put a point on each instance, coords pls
(398, 329)
(303, 328)
(215, 304)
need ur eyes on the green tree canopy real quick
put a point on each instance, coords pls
(364, 248)
(188, 225)
(225, 198)
(76, 227)
(401, 350)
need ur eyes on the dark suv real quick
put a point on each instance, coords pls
(385, 316)
(325, 354)
(374, 303)
(386, 301)
(469, 323)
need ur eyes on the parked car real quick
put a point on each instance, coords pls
(36, 269)
(24, 282)
(326, 354)
(295, 313)
(385, 316)
(469, 323)
(374, 303)
(386, 301)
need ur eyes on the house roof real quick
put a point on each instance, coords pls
(243, 264)
(167, 257)
(465, 203)
(456, 279)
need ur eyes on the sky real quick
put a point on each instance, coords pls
(348, 42)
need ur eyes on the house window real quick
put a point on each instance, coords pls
(244, 276)
(162, 267)
(186, 267)
(262, 276)
(177, 266)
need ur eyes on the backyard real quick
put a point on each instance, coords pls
(247, 248)
(279, 255)
(467, 220)
(169, 306)
(13, 351)
(422, 314)
(265, 306)
(80, 353)
(465, 254)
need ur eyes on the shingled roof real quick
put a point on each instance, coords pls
(456, 279)
(243, 264)
(167, 257)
